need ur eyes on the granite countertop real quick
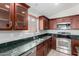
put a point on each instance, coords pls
(28, 45)
(36, 42)
(76, 37)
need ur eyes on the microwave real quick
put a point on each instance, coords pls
(65, 25)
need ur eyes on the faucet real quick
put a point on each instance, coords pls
(34, 38)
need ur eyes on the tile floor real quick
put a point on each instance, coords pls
(56, 53)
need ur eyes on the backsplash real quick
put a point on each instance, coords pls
(7, 36)
(72, 32)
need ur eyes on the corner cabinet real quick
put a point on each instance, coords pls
(43, 23)
(13, 16)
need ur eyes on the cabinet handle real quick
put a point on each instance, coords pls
(9, 25)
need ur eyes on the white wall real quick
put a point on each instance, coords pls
(72, 11)
(32, 23)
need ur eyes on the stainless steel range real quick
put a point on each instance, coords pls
(63, 43)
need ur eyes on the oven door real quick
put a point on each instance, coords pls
(64, 45)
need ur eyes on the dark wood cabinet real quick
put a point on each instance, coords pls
(5, 16)
(13, 16)
(64, 19)
(21, 13)
(43, 23)
(49, 44)
(74, 44)
(74, 22)
(39, 46)
(40, 52)
(52, 24)
(53, 43)
(44, 48)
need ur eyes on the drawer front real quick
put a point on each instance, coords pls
(39, 46)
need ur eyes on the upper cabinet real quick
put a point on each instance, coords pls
(75, 22)
(52, 24)
(5, 16)
(72, 20)
(43, 23)
(13, 16)
(21, 13)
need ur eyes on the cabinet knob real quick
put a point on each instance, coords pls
(9, 25)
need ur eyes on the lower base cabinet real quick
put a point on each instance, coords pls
(74, 44)
(53, 43)
(49, 44)
(40, 52)
(43, 48)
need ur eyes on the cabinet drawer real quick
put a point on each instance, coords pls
(39, 46)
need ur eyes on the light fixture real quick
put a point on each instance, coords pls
(56, 3)
(7, 6)
(33, 20)
(23, 12)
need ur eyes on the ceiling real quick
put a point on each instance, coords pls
(49, 9)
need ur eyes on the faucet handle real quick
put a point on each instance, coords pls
(34, 37)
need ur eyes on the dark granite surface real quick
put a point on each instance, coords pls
(75, 37)
(43, 35)
(11, 45)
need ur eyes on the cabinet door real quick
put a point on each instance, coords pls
(5, 16)
(75, 22)
(53, 43)
(40, 52)
(45, 50)
(45, 47)
(21, 17)
(39, 46)
(52, 24)
(41, 24)
(46, 24)
(74, 44)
